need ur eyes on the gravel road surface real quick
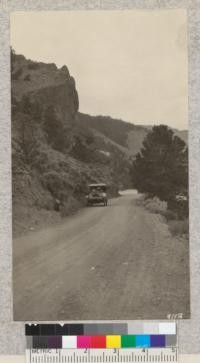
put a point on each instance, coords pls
(115, 262)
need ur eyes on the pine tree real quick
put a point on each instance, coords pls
(161, 167)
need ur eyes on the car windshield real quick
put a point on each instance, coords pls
(98, 189)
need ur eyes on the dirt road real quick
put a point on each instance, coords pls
(115, 262)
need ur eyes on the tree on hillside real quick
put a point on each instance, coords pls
(161, 167)
(12, 57)
(53, 128)
(27, 131)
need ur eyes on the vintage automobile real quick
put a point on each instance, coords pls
(97, 194)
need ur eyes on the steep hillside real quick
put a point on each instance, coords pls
(116, 130)
(55, 155)
(126, 136)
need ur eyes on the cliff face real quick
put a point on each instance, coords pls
(45, 85)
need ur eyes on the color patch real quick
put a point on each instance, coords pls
(119, 329)
(113, 341)
(40, 342)
(142, 341)
(98, 341)
(167, 328)
(151, 328)
(105, 329)
(157, 341)
(170, 340)
(128, 341)
(62, 329)
(76, 329)
(47, 329)
(135, 328)
(69, 341)
(32, 329)
(29, 342)
(84, 342)
(55, 342)
(90, 329)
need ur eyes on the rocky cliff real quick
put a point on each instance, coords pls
(54, 154)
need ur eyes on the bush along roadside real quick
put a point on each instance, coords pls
(175, 214)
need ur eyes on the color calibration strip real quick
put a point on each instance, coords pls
(101, 342)
(132, 328)
(101, 336)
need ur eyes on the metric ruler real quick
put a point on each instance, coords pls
(134, 355)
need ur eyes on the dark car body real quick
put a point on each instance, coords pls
(97, 194)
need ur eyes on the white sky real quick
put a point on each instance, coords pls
(127, 64)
